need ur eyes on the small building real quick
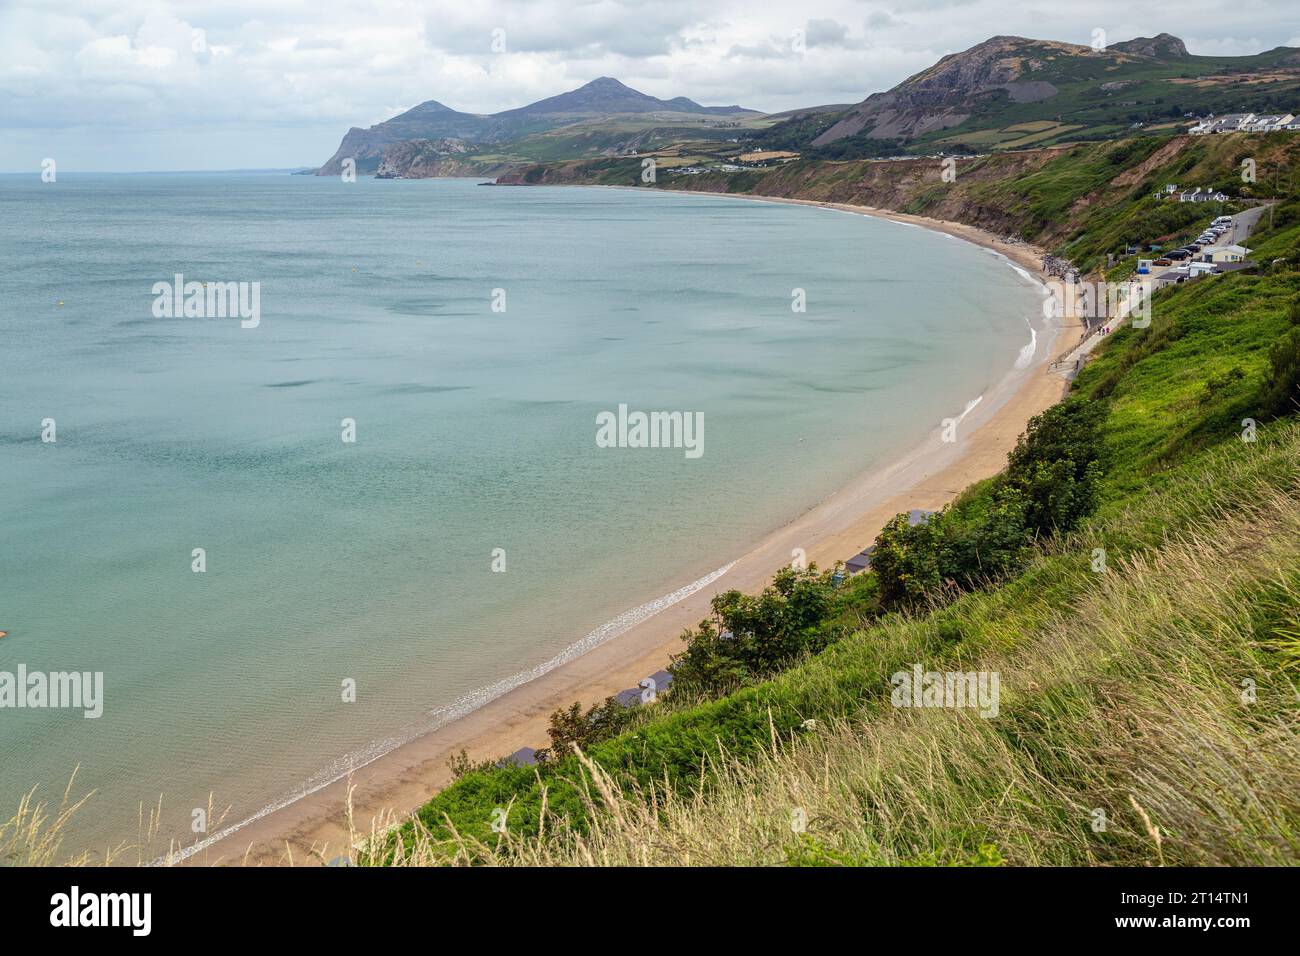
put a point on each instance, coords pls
(523, 757)
(646, 689)
(628, 698)
(1232, 122)
(1268, 124)
(1233, 253)
(1202, 195)
(860, 561)
(1197, 269)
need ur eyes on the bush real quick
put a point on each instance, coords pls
(1057, 465)
(1217, 383)
(754, 636)
(906, 561)
(572, 726)
(1050, 485)
(1281, 393)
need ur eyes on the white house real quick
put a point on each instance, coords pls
(1233, 253)
(1231, 122)
(1201, 195)
(1268, 124)
(1228, 123)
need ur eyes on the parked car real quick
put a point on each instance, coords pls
(1162, 262)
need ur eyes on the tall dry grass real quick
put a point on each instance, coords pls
(1158, 699)
(1162, 698)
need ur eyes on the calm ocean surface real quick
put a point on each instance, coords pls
(475, 430)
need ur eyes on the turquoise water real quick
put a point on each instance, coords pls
(476, 430)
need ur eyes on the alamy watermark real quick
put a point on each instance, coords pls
(626, 429)
(53, 690)
(920, 688)
(208, 300)
(129, 910)
(1100, 300)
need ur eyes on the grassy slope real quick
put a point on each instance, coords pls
(1114, 686)
(1081, 202)
(1098, 97)
(1155, 91)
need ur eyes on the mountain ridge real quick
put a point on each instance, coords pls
(1034, 81)
(435, 121)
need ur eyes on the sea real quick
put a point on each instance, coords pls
(288, 541)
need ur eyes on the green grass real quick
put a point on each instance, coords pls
(1199, 530)
(1083, 202)
(1122, 690)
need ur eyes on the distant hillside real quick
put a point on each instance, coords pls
(1007, 93)
(604, 98)
(1045, 196)
(1011, 92)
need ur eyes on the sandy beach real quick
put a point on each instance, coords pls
(932, 474)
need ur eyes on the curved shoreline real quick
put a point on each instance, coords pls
(312, 823)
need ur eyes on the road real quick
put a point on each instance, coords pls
(1243, 224)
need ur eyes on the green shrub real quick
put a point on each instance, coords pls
(753, 636)
(1281, 394)
(1050, 485)
(571, 727)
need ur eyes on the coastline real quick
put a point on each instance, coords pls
(932, 474)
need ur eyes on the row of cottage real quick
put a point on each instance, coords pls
(1246, 123)
(1196, 194)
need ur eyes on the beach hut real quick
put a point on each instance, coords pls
(629, 698)
(523, 757)
(658, 682)
(860, 561)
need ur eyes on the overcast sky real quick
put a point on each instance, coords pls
(131, 85)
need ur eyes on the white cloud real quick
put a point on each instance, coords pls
(121, 84)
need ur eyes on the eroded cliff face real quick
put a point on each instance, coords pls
(421, 159)
(428, 159)
(977, 197)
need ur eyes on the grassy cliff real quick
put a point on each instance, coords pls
(1080, 201)
(1149, 658)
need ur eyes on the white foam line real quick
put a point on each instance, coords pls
(458, 708)
(1027, 353)
(970, 407)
